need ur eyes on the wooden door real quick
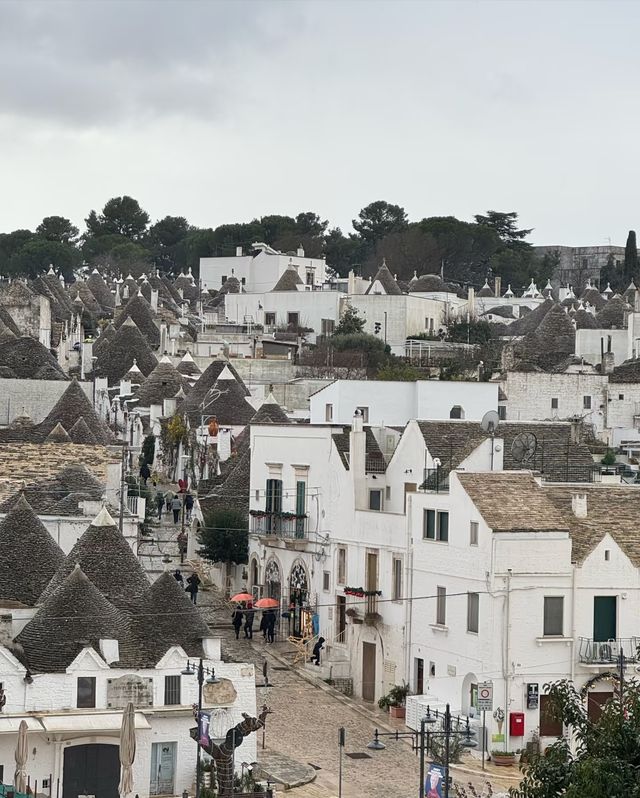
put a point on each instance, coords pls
(91, 770)
(341, 613)
(369, 671)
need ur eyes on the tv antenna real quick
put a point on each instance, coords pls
(489, 424)
(524, 447)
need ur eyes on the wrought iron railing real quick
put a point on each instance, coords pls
(435, 480)
(607, 652)
(282, 526)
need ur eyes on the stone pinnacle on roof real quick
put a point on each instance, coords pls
(30, 556)
(107, 559)
(508, 292)
(74, 616)
(384, 277)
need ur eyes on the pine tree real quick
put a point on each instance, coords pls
(631, 258)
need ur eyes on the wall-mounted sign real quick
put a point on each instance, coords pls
(533, 695)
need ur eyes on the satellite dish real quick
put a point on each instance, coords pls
(524, 447)
(490, 421)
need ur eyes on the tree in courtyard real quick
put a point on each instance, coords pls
(350, 323)
(606, 756)
(225, 537)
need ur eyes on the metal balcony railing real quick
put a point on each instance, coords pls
(436, 480)
(282, 526)
(371, 607)
(607, 652)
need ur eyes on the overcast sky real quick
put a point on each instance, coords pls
(225, 111)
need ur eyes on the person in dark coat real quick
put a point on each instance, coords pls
(264, 624)
(193, 583)
(159, 502)
(177, 575)
(144, 473)
(176, 506)
(236, 621)
(316, 650)
(188, 506)
(248, 621)
(271, 626)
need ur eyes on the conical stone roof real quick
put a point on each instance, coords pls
(552, 341)
(72, 405)
(204, 384)
(101, 291)
(75, 616)
(116, 357)
(228, 402)
(106, 558)
(167, 618)
(289, 280)
(27, 359)
(7, 319)
(164, 382)
(6, 333)
(614, 314)
(270, 412)
(81, 434)
(188, 366)
(30, 556)
(58, 435)
(105, 336)
(139, 310)
(386, 280)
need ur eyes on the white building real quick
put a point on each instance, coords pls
(261, 269)
(397, 402)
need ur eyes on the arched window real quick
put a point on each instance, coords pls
(457, 411)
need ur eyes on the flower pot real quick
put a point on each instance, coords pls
(397, 712)
(503, 760)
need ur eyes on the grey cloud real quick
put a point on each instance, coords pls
(91, 63)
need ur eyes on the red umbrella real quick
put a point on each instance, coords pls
(242, 597)
(267, 604)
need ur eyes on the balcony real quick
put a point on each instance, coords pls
(606, 653)
(287, 526)
(371, 610)
(436, 480)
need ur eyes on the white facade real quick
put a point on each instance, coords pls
(393, 403)
(260, 272)
(49, 704)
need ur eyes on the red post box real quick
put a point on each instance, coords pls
(516, 724)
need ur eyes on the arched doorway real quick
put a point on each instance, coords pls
(298, 597)
(272, 580)
(457, 411)
(91, 770)
(469, 697)
(253, 572)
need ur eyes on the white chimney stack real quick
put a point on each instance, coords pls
(579, 505)
(238, 252)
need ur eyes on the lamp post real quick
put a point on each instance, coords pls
(421, 740)
(199, 670)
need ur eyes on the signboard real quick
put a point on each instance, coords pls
(433, 785)
(136, 689)
(532, 695)
(485, 697)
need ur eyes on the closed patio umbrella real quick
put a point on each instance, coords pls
(127, 750)
(22, 752)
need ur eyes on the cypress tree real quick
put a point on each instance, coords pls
(631, 258)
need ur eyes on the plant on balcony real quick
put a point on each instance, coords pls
(360, 592)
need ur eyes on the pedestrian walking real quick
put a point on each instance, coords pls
(159, 502)
(271, 626)
(144, 473)
(193, 584)
(188, 506)
(236, 621)
(248, 621)
(263, 624)
(182, 545)
(176, 506)
(169, 496)
(316, 650)
(177, 575)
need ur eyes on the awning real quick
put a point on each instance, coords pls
(89, 722)
(10, 725)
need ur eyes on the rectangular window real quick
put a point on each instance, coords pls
(473, 533)
(502, 412)
(473, 611)
(342, 566)
(270, 319)
(387, 493)
(86, 692)
(397, 579)
(554, 403)
(436, 525)
(327, 326)
(553, 616)
(364, 412)
(171, 690)
(550, 724)
(293, 319)
(301, 507)
(621, 396)
(326, 581)
(586, 402)
(273, 504)
(441, 606)
(328, 412)
(224, 279)
(375, 500)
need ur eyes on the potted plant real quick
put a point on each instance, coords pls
(503, 758)
(394, 700)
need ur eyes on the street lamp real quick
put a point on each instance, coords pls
(421, 740)
(189, 670)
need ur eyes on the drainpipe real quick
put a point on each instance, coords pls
(408, 605)
(574, 594)
(507, 674)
